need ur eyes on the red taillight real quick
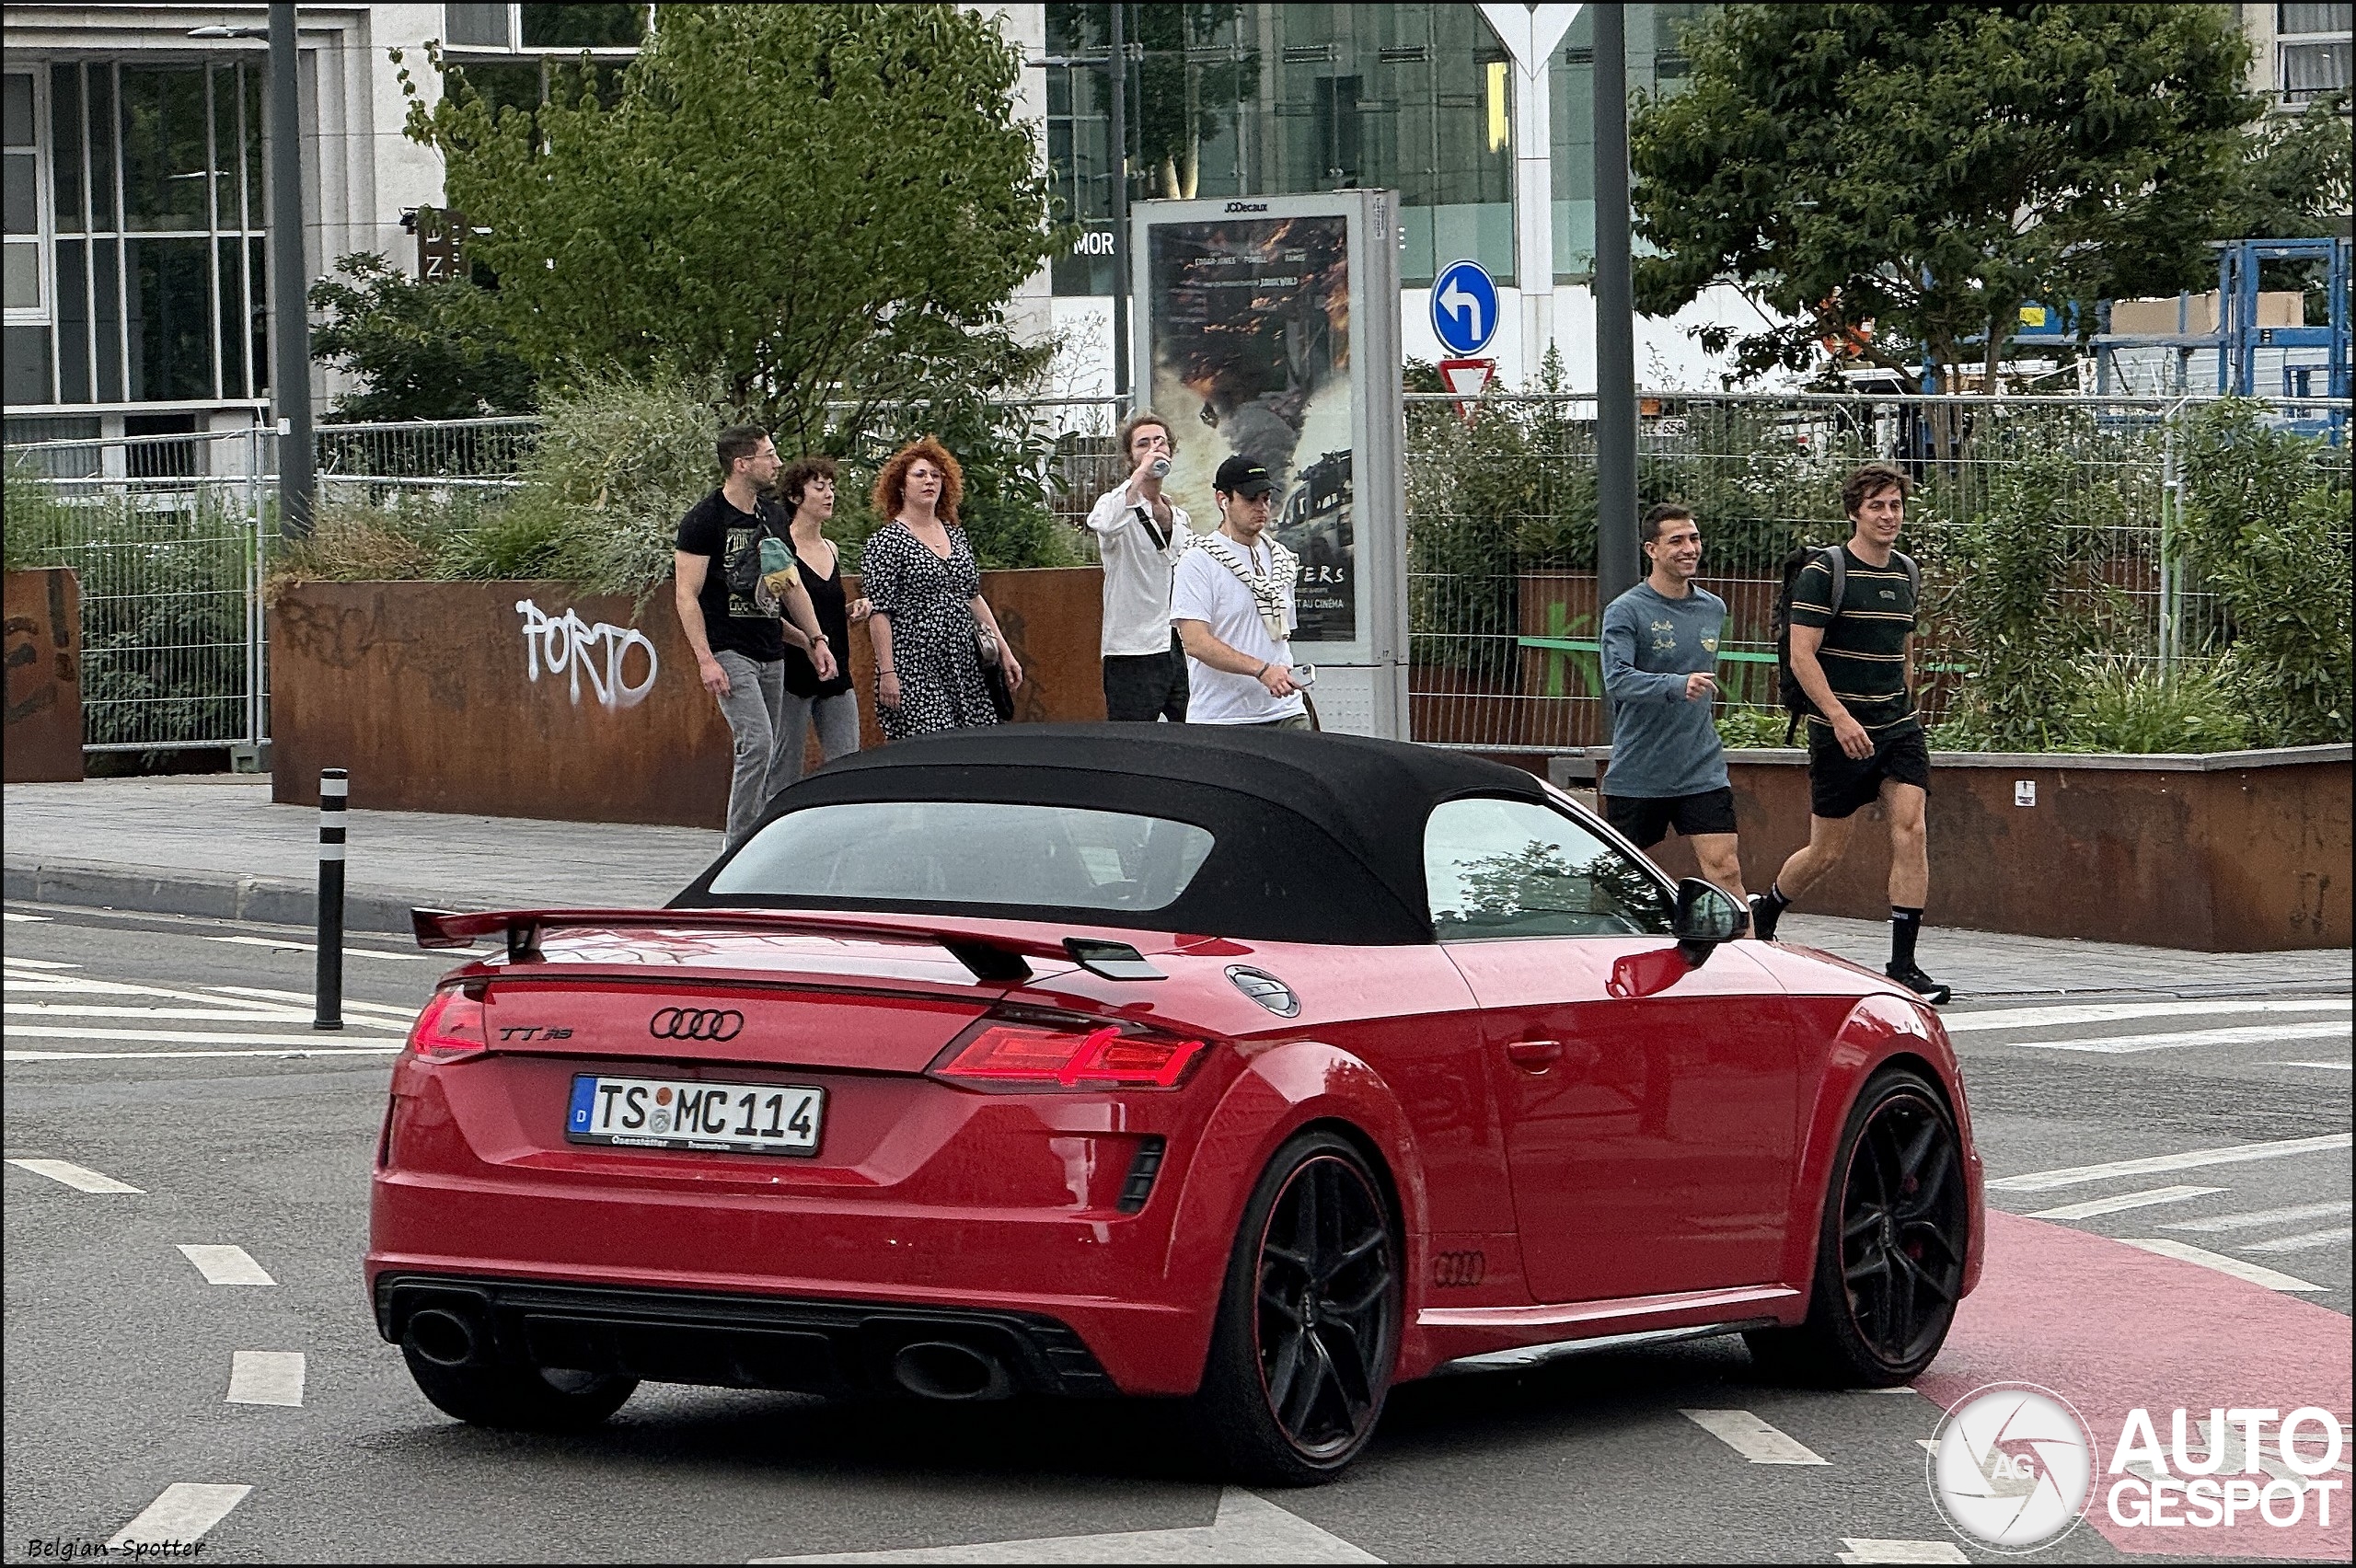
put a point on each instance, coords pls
(451, 1027)
(999, 1052)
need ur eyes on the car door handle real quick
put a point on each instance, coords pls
(1535, 1055)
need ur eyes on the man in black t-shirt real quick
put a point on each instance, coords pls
(1854, 660)
(738, 639)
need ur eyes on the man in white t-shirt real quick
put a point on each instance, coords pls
(1231, 600)
(1140, 533)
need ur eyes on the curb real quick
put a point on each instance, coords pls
(218, 896)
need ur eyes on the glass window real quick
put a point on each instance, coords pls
(484, 26)
(170, 325)
(505, 84)
(583, 27)
(26, 376)
(1512, 869)
(1657, 67)
(65, 145)
(23, 278)
(16, 117)
(2313, 18)
(165, 171)
(1281, 99)
(970, 852)
(72, 321)
(2311, 70)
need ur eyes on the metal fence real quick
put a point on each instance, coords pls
(1501, 511)
(171, 535)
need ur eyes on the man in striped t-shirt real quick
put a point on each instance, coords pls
(1854, 660)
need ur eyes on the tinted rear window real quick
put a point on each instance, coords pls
(969, 852)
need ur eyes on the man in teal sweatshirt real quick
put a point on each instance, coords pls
(1660, 655)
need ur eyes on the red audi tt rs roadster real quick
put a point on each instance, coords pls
(1267, 1070)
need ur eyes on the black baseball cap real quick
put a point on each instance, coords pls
(1244, 477)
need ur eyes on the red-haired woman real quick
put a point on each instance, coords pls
(931, 629)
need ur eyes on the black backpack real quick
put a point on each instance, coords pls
(1836, 562)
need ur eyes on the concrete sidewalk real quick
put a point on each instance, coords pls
(215, 846)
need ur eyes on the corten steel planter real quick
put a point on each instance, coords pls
(446, 696)
(2228, 852)
(43, 741)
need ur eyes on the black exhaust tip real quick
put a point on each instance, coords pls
(942, 1369)
(441, 1335)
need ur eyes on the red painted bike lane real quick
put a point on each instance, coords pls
(2112, 1328)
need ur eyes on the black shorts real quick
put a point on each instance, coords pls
(1837, 784)
(1645, 820)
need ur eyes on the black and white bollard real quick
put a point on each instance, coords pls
(335, 788)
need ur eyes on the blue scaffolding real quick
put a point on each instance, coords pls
(2246, 349)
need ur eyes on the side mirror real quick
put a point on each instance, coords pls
(1704, 917)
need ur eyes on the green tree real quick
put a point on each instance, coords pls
(2295, 184)
(805, 203)
(1928, 170)
(424, 351)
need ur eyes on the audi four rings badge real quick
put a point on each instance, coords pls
(696, 1024)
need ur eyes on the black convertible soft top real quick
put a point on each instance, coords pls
(1318, 838)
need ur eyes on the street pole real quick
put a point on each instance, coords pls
(1120, 137)
(291, 376)
(1616, 551)
(326, 989)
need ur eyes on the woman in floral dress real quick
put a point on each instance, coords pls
(919, 576)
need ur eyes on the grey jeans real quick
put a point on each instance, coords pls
(754, 709)
(837, 719)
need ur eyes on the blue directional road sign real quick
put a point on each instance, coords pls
(1464, 307)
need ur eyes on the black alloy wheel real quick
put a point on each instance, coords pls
(1309, 1327)
(1890, 1265)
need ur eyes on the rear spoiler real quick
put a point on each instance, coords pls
(989, 956)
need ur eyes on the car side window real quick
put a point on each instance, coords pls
(1495, 868)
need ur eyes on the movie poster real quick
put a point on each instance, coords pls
(1251, 353)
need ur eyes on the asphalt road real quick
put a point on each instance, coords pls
(125, 1387)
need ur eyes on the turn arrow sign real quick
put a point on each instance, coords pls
(1456, 302)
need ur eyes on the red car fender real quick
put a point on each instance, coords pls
(1878, 1028)
(1281, 1089)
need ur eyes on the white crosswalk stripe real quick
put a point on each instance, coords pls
(2113, 1012)
(2236, 1154)
(1859, 1550)
(79, 1178)
(2124, 1201)
(2306, 1241)
(2238, 1268)
(2253, 1034)
(2255, 1218)
(266, 1378)
(224, 1265)
(1753, 1438)
(180, 1517)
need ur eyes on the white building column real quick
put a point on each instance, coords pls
(1530, 34)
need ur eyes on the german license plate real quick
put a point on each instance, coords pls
(728, 1118)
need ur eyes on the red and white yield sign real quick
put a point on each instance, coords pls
(1466, 378)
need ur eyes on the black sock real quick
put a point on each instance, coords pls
(1905, 925)
(1774, 900)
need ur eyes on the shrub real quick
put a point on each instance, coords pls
(2266, 528)
(2024, 600)
(2128, 705)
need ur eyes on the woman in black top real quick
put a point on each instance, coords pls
(808, 487)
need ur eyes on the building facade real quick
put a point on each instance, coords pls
(137, 185)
